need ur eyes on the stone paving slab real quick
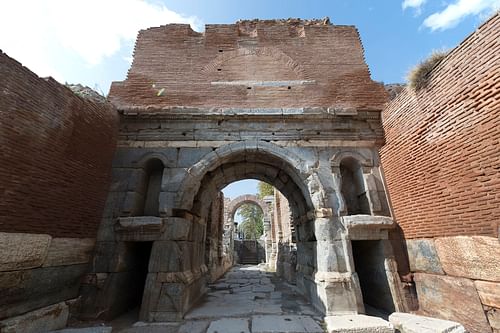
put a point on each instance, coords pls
(357, 324)
(194, 326)
(285, 324)
(96, 329)
(229, 325)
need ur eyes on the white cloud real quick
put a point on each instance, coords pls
(417, 4)
(36, 32)
(457, 11)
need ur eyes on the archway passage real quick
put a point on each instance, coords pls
(198, 193)
(252, 233)
(285, 120)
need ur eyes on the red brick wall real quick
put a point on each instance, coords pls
(442, 153)
(56, 151)
(185, 63)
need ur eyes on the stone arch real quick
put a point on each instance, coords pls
(244, 199)
(242, 160)
(274, 53)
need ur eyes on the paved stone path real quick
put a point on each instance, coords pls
(246, 300)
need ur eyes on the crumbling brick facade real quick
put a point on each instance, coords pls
(56, 155)
(249, 64)
(442, 152)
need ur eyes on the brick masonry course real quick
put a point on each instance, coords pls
(442, 153)
(56, 155)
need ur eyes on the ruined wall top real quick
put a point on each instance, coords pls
(249, 64)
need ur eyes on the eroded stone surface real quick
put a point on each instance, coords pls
(489, 293)
(69, 251)
(31, 254)
(423, 257)
(451, 298)
(472, 257)
(357, 324)
(46, 319)
(410, 323)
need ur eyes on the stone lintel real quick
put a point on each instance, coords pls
(186, 112)
(219, 143)
(367, 222)
(139, 228)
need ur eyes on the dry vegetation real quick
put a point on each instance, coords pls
(417, 77)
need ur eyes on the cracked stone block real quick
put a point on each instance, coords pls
(229, 325)
(284, 323)
(410, 323)
(423, 257)
(357, 324)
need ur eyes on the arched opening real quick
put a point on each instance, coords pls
(353, 188)
(286, 179)
(153, 176)
(249, 223)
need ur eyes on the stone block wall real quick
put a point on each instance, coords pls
(286, 258)
(57, 149)
(441, 165)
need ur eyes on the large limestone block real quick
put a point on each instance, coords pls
(423, 257)
(451, 298)
(229, 325)
(69, 251)
(36, 288)
(494, 319)
(284, 323)
(489, 293)
(22, 251)
(50, 318)
(357, 324)
(410, 323)
(474, 257)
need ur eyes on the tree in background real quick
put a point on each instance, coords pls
(264, 189)
(252, 225)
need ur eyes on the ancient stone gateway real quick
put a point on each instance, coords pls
(290, 103)
(232, 207)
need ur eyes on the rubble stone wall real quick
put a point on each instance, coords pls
(55, 170)
(441, 165)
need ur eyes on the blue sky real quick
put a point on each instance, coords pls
(91, 42)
